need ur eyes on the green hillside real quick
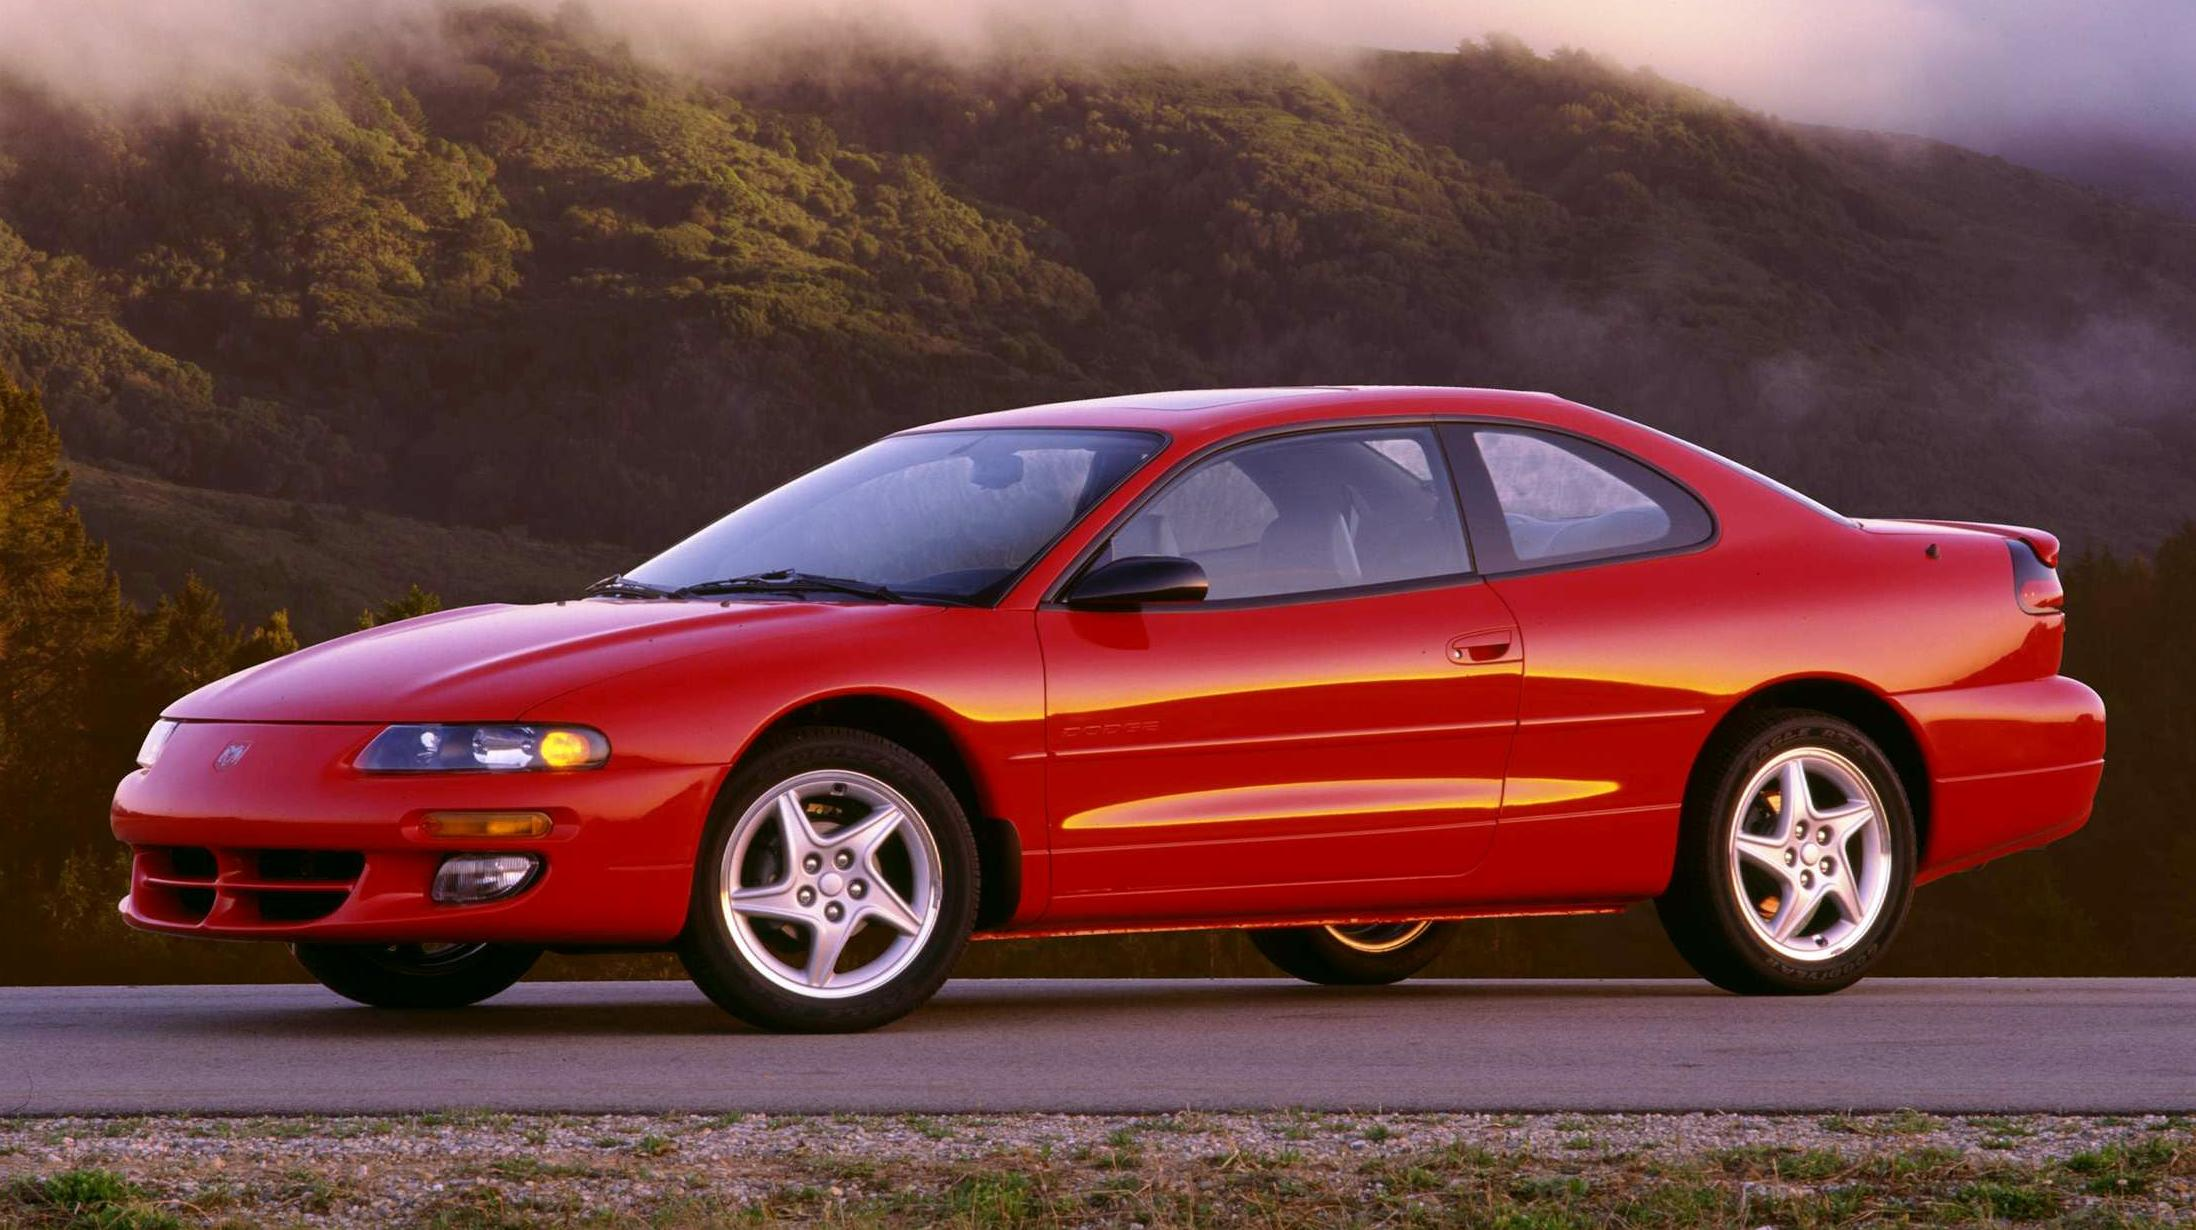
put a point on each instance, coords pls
(525, 280)
(324, 563)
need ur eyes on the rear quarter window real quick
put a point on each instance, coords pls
(1541, 499)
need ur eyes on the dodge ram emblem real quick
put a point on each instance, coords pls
(230, 755)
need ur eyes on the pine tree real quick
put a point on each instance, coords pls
(61, 612)
(414, 601)
(268, 641)
(185, 642)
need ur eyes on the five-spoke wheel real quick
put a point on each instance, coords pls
(1811, 847)
(837, 884)
(830, 884)
(1795, 857)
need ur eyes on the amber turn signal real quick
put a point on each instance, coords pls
(564, 749)
(467, 824)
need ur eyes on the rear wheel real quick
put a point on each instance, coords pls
(1368, 954)
(835, 887)
(1795, 858)
(416, 975)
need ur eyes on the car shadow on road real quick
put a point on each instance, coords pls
(673, 1009)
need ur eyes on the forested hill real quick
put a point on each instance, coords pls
(524, 281)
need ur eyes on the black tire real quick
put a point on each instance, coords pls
(1354, 956)
(1701, 911)
(416, 975)
(722, 966)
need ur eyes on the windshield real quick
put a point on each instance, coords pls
(949, 514)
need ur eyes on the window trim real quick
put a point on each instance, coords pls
(1476, 496)
(1054, 597)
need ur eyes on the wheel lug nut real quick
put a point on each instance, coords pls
(1822, 835)
(812, 863)
(844, 859)
(1790, 858)
(1829, 866)
(806, 896)
(857, 889)
(834, 911)
(1807, 879)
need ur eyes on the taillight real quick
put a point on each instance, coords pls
(2035, 583)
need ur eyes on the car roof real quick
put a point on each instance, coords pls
(1207, 413)
(1196, 419)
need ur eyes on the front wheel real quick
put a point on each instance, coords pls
(416, 975)
(835, 888)
(1369, 954)
(1795, 858)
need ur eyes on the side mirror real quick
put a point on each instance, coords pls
(1137, 580)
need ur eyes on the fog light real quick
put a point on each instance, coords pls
(467, 878)
(464, 824)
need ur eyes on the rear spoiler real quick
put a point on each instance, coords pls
(2046, 546)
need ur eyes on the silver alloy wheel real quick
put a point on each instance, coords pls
(1378, 937)
(799, 885)
(1810, 854)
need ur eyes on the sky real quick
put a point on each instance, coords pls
(1980, 72)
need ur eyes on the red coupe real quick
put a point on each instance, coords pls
(1338, 665)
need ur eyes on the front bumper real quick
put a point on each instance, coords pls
(290, 843)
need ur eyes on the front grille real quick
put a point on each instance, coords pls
(189, 885)
(299, 907)
(311, 864)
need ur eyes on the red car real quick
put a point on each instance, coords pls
(1339, 665)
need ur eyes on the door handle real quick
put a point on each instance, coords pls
(1490, 645)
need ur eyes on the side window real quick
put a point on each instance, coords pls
(1539, 498)
(1304, 514)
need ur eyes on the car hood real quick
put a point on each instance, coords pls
(494, 663)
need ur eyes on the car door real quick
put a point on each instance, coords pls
(1598, 555)
(1325, 731)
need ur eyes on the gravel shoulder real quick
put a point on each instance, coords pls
(1187, 1169)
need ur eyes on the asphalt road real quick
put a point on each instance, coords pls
(1944, 1045)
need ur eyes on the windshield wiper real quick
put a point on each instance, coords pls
(788, 580)
(616, 586)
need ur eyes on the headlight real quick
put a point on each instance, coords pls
(474, 749)
(155, 739)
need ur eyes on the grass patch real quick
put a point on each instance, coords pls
(929, 1127)
(1676, 1204)
(1780, 1162)
(2118, 1169)
(1996, 1201)
(994, 1199)
(525, 1168)
(84, 1200)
